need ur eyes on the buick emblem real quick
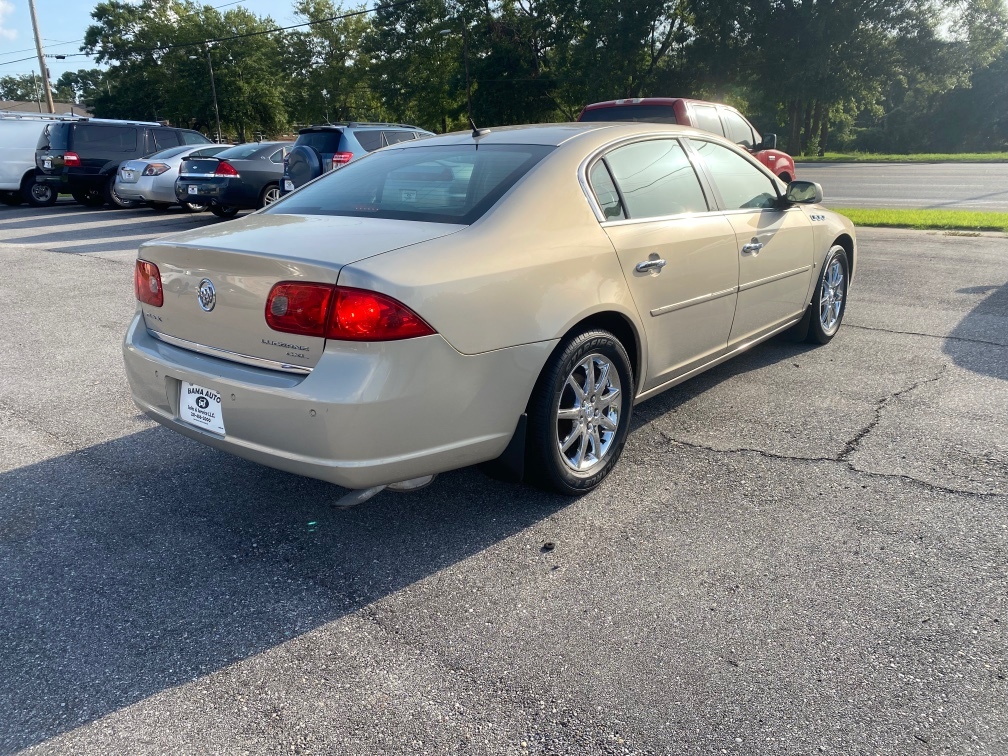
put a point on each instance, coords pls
(207, 295)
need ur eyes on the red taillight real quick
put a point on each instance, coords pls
(338, 312)
(71, 159)
(341, 158)
(299, 308)
(224, 168)
(147, 283)
(360, 315)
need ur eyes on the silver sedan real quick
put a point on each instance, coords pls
(504, 295)
(152, 180)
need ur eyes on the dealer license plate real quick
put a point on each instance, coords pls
(47, 164)
(201, 407)
(191, 189)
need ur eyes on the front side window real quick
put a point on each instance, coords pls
(738, 129)
(656, 179)
(742, 184)
(193, 137)
(165, 138)
(442, 184)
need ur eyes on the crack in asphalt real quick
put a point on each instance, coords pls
(928, 335)
(850, 447)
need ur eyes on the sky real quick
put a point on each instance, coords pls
(64, 21)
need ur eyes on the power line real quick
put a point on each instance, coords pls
(247, 35)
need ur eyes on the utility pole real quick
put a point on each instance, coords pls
(41, 59)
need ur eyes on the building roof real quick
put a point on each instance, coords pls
(62, 108)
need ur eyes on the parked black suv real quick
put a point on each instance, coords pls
(82, 157)
(321, 148)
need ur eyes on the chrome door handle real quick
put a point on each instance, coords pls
(648, 265)
(753, 247)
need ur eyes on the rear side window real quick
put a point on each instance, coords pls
(707, 119)
(394, 137)
(739, 131)
(89, 137)
(647, 113)
(656, 178)
(242, 151)
(443, 184)
(326, 142)
(55, 136)
(169, 153)
(605, 192)
(370, 140)
(165, 138)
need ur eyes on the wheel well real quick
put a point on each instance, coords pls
(845, 241)
(619, 327)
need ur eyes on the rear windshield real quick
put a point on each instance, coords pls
(648, 113)
(170, 152)
(92, 137)
(449, 184)
(326, 142)
(243, 151)
(54, 137)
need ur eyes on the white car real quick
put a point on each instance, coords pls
(19, 135)
(152, 180)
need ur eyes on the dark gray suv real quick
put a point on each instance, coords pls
(322, 148)
(82, 157)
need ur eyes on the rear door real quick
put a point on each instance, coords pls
(774, 246)
(677, 253)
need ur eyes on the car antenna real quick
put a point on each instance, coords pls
(477, 132)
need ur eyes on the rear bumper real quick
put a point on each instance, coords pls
(224, 191)
(71, 182)
(368, 414)
(147, 189)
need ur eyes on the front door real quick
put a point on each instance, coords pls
(774, 246)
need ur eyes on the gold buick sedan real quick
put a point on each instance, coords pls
(503, 295)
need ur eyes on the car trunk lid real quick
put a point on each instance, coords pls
(216, 280)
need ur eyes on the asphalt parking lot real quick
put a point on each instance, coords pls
(803, 550)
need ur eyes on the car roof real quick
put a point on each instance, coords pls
(651, 101)
(357, 125)
(553, 134)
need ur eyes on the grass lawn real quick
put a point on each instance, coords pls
(921, 157)
(948, 220)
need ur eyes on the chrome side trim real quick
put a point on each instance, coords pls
(224, 354)
(716, 361)
(695, 301)
(771, 279)
(201, 175)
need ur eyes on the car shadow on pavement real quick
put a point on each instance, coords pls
(979, 342)
(140, 564)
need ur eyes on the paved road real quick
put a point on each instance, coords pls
(943, 186)
(802, 550)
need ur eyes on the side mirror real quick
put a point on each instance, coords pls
(804, 193)
(769, 142)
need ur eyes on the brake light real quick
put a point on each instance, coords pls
(156, 169)
(147, 283)
(224, 168)
(299, 308)
(71, 159)
(360, 315)
(339, 312)
(341, 158)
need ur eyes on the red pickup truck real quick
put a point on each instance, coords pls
(709, 116)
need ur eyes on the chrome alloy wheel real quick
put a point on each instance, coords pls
(588, 413)
(271, 195)
(831, 296)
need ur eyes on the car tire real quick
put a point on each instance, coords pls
(114, 200)
(269, 195)
(577, 426)
(830, 299)
(11, 198)
(224, 211)
(36, 194)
